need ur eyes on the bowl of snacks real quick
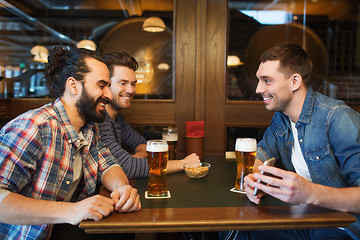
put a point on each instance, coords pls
(197, 170)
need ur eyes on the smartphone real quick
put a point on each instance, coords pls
(269, 162)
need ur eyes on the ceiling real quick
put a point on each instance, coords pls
(26, 23)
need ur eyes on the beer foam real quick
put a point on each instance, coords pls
(157, 146)
(245, 144)
(170, 137)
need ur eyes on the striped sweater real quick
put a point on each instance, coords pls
(116, 134)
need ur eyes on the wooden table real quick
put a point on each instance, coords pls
(208, 205)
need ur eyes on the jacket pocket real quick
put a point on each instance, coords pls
(323, 163)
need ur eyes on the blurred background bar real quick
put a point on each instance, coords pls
(197, 63)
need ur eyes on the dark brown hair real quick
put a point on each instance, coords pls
(293, 59)
(120, 59)
(64, 63)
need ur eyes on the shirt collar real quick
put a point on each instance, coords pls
(71, 135)
(308, 106)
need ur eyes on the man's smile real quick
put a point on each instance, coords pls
(267, 99)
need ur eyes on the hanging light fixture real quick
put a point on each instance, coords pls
(153, 24)
(88, 44)
(163, 66)
(233, 61)
(40, 53)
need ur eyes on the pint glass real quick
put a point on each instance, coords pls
(245, 151)
(157, 158)
(170, 135)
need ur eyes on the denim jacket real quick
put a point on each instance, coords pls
(329, 137)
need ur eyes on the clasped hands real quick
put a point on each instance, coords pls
(124, 199)
(284, 185)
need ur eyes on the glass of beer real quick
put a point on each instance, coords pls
(157, 158)
(245, 151)
(170, 135)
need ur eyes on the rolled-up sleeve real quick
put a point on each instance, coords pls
(19, 149)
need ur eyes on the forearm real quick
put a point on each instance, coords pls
(124, 196)
(140, 151)
(178, 165)
(114, 178)
(174, 166)
(342, 199)
(21, 210)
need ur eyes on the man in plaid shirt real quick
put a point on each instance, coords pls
(51, 158)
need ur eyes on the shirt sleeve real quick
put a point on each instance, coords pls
(111, 136)
(344, 134)
(3, 194)
(129, 136)
(20, 146)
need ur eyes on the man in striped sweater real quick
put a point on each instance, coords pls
(115, 131)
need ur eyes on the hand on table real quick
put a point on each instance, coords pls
(126, 199)
(191, 158)
(177, 165)
(92, 208)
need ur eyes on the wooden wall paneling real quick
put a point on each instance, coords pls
(4, 109)
(215, 58)
(200, 60)
(247, 114)
(18, 106)
(185, 65)
(150, 112)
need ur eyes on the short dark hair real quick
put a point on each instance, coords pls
(65, 63)
(293, 59)
(120, 59)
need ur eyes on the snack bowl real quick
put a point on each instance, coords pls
(197, 170)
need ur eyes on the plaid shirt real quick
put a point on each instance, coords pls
(36, 150)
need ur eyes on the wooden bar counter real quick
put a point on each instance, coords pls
(208, 205)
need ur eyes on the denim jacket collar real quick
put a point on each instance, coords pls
(308, 106)
(305, 115)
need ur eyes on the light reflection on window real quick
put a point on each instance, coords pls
(268, 17)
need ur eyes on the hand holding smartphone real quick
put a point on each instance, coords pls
(269, 162)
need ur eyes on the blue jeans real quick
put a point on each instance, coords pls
(292, 234)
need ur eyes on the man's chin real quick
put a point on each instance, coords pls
(125, 105)
(98, 118)
(102, 116)
(119, 105)
(270, 108)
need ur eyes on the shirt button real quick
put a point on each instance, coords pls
(317, 157)
(67, 182)
(301, 140)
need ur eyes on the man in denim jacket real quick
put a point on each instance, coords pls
(315, 139)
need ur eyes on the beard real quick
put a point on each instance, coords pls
(87, 107)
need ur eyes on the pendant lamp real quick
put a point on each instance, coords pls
(88, 44)
(153, 24)
(40, 53)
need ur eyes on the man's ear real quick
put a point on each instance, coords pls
(73, 85)
(296, 81)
